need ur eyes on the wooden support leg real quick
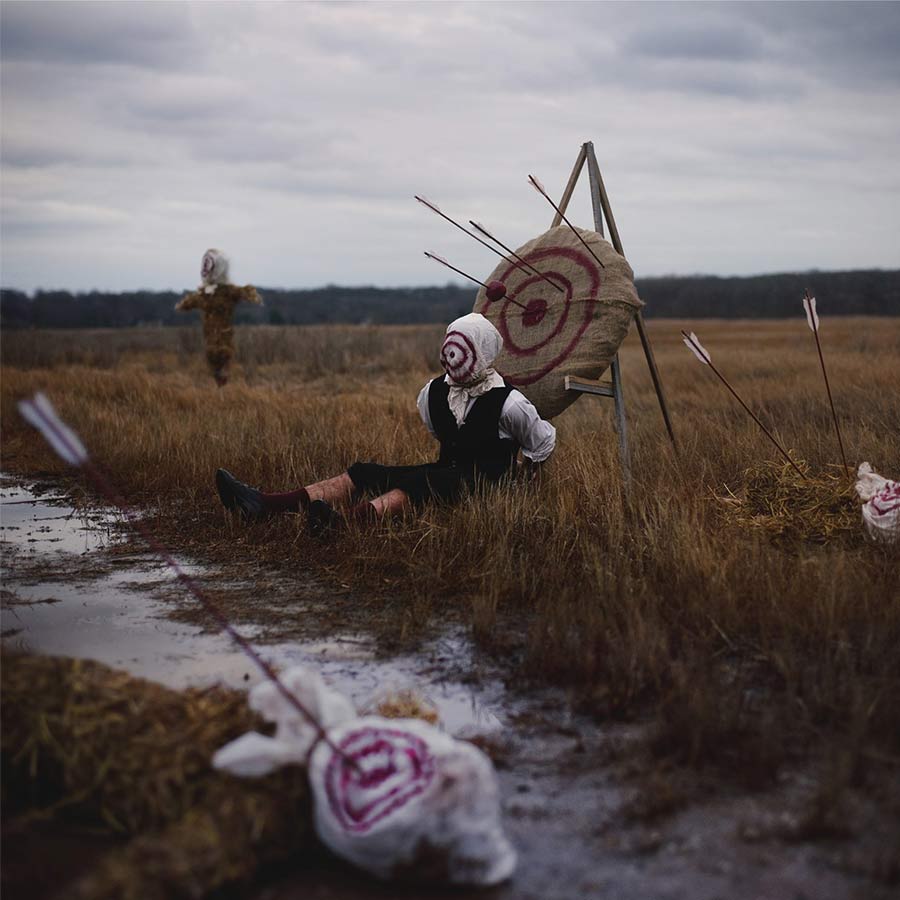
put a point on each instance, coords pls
(621, 428)
(601, 200)
(570, 188)
(576, 384)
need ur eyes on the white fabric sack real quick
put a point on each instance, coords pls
(254, 754)
(881, 510)
(416, 802)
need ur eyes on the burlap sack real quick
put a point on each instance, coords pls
(576, 331)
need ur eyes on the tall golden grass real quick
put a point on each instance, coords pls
(748, 650)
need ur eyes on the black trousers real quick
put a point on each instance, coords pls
(431, 481)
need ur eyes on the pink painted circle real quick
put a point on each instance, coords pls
(534, 313)
(458, 356)
(381, 771)
(209, 263)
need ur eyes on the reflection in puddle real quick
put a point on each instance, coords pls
(32, 525)
(104, 617)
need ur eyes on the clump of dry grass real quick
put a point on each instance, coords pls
(407, 704)
(820, 508)
(631, 595)
(105, 748)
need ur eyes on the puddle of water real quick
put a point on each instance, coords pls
(563, 808)
(33, 525)
(116, 619)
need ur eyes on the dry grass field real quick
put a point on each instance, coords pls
(745, 649)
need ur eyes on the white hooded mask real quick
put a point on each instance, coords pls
(470, 347)
(214, 269)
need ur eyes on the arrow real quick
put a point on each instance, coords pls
(444, 262)
(694, 345)
(540, 189)
(812, 318)
(485, 232)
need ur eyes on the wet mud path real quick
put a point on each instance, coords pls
(587, 813)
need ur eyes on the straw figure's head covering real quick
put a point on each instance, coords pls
(470, 347)
(214, 268)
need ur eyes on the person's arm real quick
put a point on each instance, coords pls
(249, 294)
(520, 421)
(424, 412)
(189, 301)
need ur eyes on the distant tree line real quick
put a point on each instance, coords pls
(864, 292)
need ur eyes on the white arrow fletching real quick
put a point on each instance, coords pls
(437, 258)
(426, 202)
(692, 342)
(812, 318)
(40, 412)
(537, 185)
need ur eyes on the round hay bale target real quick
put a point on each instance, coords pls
(549, 334)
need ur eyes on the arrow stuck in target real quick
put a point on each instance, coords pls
(524, 262)
(496, 290)
(543, 192)
(436, 209)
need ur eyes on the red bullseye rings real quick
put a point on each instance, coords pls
(389, 768)
(458, 357)
(495, 290)
(534, 312)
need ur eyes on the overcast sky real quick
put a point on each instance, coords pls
(733, 138)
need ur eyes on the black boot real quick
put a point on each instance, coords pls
(239, 497)
(323, 519)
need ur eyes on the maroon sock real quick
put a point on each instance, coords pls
(364, 513)
(290, 501)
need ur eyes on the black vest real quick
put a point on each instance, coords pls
(475, 444)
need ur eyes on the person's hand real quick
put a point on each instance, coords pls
(531, 471)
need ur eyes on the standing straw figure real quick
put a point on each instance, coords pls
(218, 298)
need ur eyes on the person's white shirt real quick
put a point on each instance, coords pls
(519, 422)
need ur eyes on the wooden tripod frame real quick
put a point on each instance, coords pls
(603, 210)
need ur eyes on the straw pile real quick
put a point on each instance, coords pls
(407, 704)
(821, 509)
(102, 747)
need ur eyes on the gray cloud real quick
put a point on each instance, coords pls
(136, 135)
(135, 33)
(697, 42)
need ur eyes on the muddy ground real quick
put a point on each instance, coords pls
(590, 811)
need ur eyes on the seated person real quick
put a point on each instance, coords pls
(479, 420)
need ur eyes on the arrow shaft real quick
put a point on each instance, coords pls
(469, 233)
(106, 488)
(756, 419)
(464, 275)
(459, 271)
(737, 397)
(562, 215)
(484, 231)
(831, 402)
